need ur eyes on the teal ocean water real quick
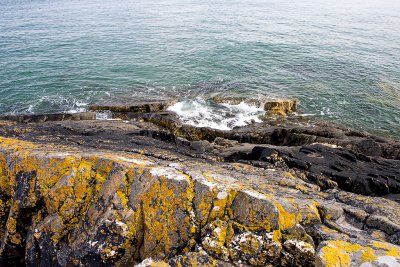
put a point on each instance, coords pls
(341, 59)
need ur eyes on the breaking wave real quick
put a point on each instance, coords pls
(207, 113)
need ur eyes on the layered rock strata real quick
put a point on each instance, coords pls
(153, 192)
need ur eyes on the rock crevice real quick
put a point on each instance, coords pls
(151, 191)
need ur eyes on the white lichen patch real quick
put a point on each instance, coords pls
(222, 195)
(254, 194)
(61, 155)
(209, 184)
(123, 226)
(301, 246)
(145, 263)
(175, 165)
(221, 178)
(217, 230)
(168, 173)
(136, 161)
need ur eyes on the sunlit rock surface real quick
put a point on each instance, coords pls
(141, 191)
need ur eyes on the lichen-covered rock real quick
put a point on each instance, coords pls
(256, 249)
(218, 233)
(281, 107)
(342, 253)
(273, 106)
(255, 211)
(79, 206)
(300, 253)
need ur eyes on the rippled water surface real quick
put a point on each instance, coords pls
(340, 58)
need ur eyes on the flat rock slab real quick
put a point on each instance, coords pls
(136, 106)
(50, 117)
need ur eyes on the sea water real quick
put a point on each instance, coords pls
(341, 59)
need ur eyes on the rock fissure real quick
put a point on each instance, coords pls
(118, 193)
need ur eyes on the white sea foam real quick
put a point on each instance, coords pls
(202, 113)
(76, 110)
(104, 115)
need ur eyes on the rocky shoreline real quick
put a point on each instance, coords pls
(145, 189)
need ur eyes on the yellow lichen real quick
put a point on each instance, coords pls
(336, 253)
(340, 253)
(389, 250)
(288, 175)
(160, 206)
(16, 239)
(286, 219)
(12, 225)
(277, 236)
(368, 255)
(123, 198)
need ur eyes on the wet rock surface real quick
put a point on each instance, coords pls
(147, 190)
(272, 106)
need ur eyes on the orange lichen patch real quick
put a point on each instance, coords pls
(222, 200)
(309, 214)
(194, 261)
(281, 107)
(338, 253)
(54, 170)
(216, 239)
(277, 236)
(204, 209)
(328, 230)
(165, 208)
(124, 199)
(343, 253)
(389, 250)
(368, 256)
(288, 175)
(11, 225)
(4, 206)
(288, 212)
(4, 179)
(302, 188)
(254, 211)
(16, 239)
(69, 184)
(15, 145)
(287, 219)
(159, 264)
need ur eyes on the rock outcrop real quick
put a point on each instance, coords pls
(272, 106)
(136, 107)
(153, 192)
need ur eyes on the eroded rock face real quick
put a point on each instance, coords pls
(64, 206)
(151, 191)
